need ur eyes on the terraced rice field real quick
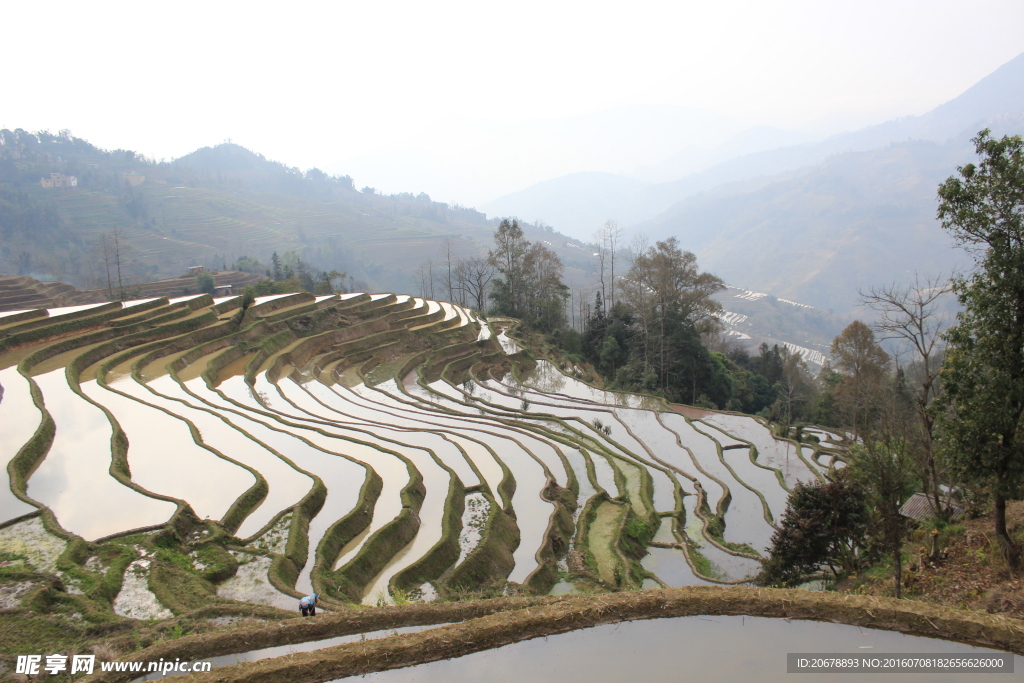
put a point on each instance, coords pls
(368, 448)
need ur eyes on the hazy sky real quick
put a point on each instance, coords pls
(318, 83)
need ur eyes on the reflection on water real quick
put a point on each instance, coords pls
(342, 477)
(726, 566)
(74, 480)
(771, 452)
(68, 310)
(669, 565)
(285, 485)
(762, 480)
(545, 377)
(435, 479)
(709, 649)
(579, 468)
(540, 448)
(382, 397)
(744, 520)
(19, 419)
(164, 458)
(508, 345)
(282, 650)
(532, 513)
(663, 493)
(390, 468)
(348, 407)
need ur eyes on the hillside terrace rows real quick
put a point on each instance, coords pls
(28, 296)
(333, 443)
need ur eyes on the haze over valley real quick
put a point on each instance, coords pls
(398, 339)
(772, 211)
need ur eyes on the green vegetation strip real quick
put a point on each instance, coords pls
(445, 552)
(572, 613)
(339, 534)
(385, 543)
(491, 561)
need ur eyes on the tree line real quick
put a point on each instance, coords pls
(932, 405)
(945, 415)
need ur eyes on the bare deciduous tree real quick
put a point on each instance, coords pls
(613, 231)
(475, 275)
(425, 274)
(601, 240)
(447, 275)
(910, 315)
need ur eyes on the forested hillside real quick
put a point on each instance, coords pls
(212, 208)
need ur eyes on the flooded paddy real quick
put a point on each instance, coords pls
(74, 479)
(541, 449)
(605, 472)
(394, 427)
(671, 567)
(450, 397)
(435, 479)
(616, 439)
(345, 410)
(712, 649)
(771, 452)
(282, 650)
(765, 481)
(508, 345)
(547, 378)
(744, 519)
(532, 512)
(68, 310)
(19, 419)
(724, 565)
(163, 456)
(384, 396)
(726, 441)
(286, 485)
(343, 477)
(392, 470)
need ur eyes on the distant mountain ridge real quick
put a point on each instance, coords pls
(813, 222)
(577, 208)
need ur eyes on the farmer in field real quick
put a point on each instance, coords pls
(307, 605)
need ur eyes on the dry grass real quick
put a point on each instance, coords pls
(971, 574)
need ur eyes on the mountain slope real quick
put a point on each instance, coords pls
(210, 208)
(857, 220)
(996, 97)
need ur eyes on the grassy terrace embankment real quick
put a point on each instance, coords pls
(343, 393)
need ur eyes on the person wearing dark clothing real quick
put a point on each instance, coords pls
(307, 605)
